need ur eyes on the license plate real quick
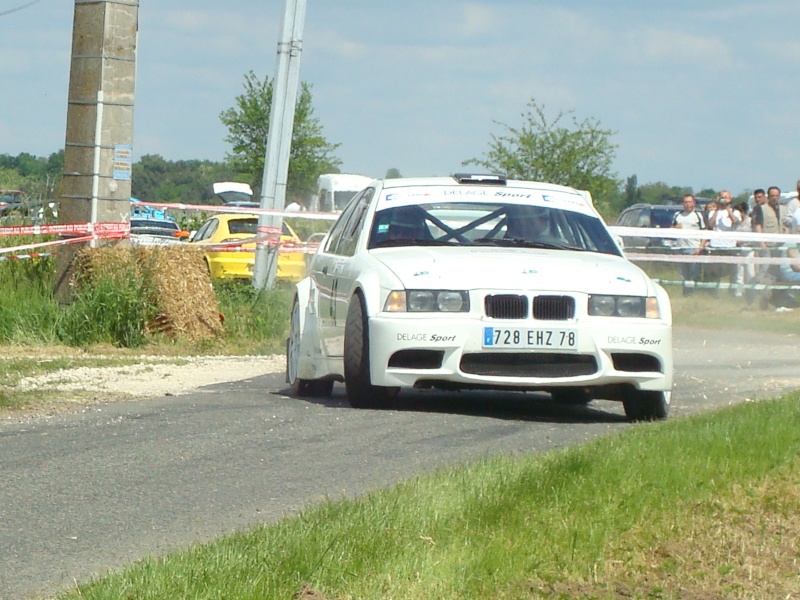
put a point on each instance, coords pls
(556, 339)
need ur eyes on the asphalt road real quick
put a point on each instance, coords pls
(85, 492)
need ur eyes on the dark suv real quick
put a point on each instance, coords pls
(658, 216)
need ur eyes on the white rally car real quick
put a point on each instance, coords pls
(478, 282)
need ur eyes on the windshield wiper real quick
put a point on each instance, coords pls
(399, 242)
(520, 243)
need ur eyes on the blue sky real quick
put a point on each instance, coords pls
(702, 94)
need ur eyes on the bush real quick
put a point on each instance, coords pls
(259, 316)
(27, 311)
(114, 300)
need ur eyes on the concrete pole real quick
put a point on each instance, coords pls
(96, 186)
(279, 140)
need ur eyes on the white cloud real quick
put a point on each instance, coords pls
(478, 19)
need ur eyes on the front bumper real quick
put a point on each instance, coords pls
(447, 351)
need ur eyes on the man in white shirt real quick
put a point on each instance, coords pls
(689, 218)
(293, 206)
(724, 218)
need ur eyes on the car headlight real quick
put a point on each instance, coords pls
(624, 306)
(427, 301)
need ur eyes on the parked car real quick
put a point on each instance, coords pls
(10, 200)
(653, 216)
(156, 232)
(232, 193)
(477, 282)
(238, 261)
(138, 209)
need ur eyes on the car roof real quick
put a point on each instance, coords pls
(151, 222)
(236, 215)
(449, 180)
(563, 196)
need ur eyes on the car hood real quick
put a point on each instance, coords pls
(515, 269)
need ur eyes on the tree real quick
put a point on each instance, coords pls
(661, 193)
(578, 155)
(248, 124)
(632, 193)
(187, 181)
(393, 173)
(37, 177)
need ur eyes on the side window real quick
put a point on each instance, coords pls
(644, 219)
(207, 230)
(626, 219)
(355, 225)
(338, 229)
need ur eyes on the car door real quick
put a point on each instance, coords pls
(332, 266)
(345, 277)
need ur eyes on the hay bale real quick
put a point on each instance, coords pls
(187, 305)
(176, 279)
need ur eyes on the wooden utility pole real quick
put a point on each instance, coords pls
(96, 185)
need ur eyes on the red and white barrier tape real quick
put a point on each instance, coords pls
(24, 256)
(66, 229)
(237, 245)
(64, 242)
(319, 216)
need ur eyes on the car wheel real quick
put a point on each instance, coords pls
(314, 388)
(360, 391)
(646, 406)
(571, 396)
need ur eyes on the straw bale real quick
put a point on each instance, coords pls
(187, 306)
(177, 275)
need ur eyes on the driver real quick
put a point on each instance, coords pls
(407, 223)
(527, 223)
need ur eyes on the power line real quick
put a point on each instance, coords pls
(18, 8)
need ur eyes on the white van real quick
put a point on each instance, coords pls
(334, 190)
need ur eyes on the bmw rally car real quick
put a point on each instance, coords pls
(478, 282)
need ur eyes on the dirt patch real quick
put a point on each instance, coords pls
(74, 388)
(154, 377)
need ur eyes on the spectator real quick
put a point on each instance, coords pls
(294, 206)
(692, 219)
(788, 272)
(711, 207)
(745, 271)
(774, 201)
(724, 218)
(767, 219)
(792, 208)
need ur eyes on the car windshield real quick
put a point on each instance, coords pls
(249, 225)
(154, 227)
(489, 224)
(662, 216)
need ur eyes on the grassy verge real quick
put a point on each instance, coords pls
(692, 508)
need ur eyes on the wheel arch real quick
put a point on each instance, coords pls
(309, 338)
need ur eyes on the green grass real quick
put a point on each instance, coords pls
(524, 527)
(114, 306)
(609, 517)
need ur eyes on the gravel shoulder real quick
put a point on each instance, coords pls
(712, 367)
(156, 377)
(79, 387)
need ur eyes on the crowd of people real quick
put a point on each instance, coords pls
(766, 215)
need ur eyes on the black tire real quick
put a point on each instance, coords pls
(308, 388)
(360, 391)
(571, 396)
(646, 406)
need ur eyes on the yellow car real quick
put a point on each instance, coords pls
(238, 261)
